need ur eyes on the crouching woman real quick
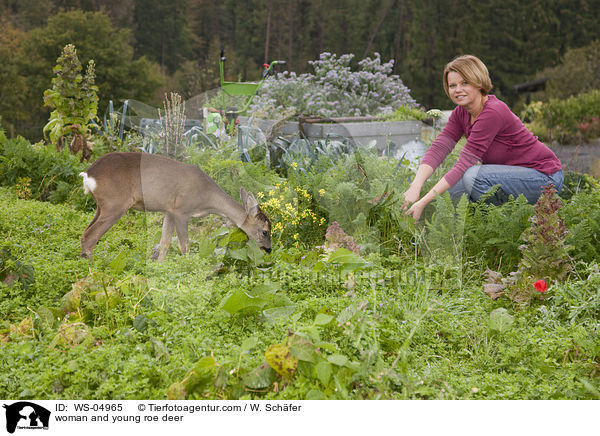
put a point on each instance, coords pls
(500, 150)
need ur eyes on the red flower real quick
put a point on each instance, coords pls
(540, 286)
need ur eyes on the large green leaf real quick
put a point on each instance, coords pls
(302, 348)
(346, 261)
(323, 371)
(260, 378)
(117, 265)
(338, 359)
(241, 300)
(500, 320)
(323, 319)
(274, 313)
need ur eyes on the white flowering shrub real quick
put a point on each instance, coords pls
(334, 90)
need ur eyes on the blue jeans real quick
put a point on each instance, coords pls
(513, 180)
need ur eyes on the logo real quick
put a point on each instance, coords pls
(26, 415)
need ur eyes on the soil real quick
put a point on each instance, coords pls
(583, 158)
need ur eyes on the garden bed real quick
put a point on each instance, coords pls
(388, 136)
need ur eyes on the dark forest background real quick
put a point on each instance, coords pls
(144, 48)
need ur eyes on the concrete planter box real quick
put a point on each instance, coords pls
(388, 136)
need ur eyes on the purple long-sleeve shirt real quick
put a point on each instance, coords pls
(496, 137)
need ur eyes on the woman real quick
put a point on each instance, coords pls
(510, 155)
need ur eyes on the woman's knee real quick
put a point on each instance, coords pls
(468, 178)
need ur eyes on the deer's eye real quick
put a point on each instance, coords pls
(265, 233)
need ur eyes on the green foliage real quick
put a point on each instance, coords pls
(578, 302)
(101, 300)
(298, 219)
(500, 320)
(571, 121)
(578, 72)
(238, 249)
(73, 97)
(577, 182)
(406, 113)
(350, 328)
(224, 166)
(404, 319)
(13, 269)
(359, 190)
(493, 233)
(12, 83)
(582, 218)
(262, 299)
(393, 226)
(48, 175)
(119, 74)
(446, 228)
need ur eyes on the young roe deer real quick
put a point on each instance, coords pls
(148, 182)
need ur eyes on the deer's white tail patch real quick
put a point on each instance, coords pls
(89, 183)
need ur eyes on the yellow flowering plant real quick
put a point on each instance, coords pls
(297, 219)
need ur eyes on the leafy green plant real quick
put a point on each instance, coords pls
(229, 321)
(493, 233)
(407, 113)
(74, 98)
(50, 176)
(395, 228)
(577, 182)
(13, 268)
(577, 72)
(446, 228)
(582, 218)
(349, 188)
(304, 356)
(570, 121)
(100, 299)
(263, 299)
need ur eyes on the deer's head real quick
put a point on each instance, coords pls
(257, 225)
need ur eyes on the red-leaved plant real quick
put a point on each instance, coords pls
(545, 254)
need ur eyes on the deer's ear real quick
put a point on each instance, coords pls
(249, 202)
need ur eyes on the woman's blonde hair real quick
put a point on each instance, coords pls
(472, 70)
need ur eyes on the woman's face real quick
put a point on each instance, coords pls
(461, 92)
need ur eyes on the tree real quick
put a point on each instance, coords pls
(161, 32)
(118, 75)
(12, 84)
(578, 72)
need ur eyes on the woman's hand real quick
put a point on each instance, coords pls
(410, 197)
(417, 209)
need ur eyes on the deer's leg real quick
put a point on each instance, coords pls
(181, 225)
(104, 219)
(165, 239)
(96, 215)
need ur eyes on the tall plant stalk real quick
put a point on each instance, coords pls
(172, 122)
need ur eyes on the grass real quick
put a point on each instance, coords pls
(423, 334)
